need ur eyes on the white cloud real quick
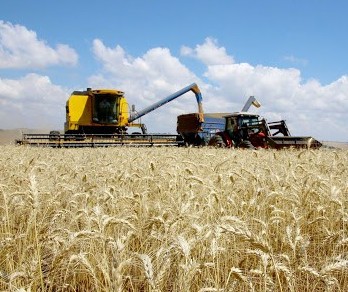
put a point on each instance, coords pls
(296, 60)
(208, 53)
(156, 64)
(21, 48)
(31, 102)
(148, 78)
(269, 83)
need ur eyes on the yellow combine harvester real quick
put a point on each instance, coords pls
(101, 117)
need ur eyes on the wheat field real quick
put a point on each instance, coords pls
(173, 219)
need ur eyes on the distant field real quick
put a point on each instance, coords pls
(173, 219)
(340, 145)
(8, 137)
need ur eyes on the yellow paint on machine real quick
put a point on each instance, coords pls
(81, 108)
(79, 111)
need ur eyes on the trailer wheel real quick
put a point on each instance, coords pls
(217, 141)
(180, 140)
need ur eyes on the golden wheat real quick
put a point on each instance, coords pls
(173, 219)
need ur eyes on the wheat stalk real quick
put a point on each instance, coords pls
(173, 219)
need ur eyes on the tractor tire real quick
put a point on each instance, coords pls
(246, 144)
(217, 141)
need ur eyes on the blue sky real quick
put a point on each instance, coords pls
(292, 55)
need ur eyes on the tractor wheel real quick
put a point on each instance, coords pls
(217, 141)
(246, 144)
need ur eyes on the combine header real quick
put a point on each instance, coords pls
(94, 140)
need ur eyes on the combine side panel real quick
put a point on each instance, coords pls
(79, 112)
(124, 112)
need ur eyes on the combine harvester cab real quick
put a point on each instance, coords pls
(102, 111)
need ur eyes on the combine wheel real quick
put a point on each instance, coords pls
(217, 141)
(54, 135)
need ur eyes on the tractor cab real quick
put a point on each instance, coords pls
(242, 127)
(244, 124)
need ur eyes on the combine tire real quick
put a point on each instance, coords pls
(54, 135)
(217, 141)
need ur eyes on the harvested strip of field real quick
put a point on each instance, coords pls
(173, 219)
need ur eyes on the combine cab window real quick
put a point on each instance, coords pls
(105, 111)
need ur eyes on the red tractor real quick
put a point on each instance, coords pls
(245, 130)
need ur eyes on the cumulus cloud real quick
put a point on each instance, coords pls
(31, 102)
(21, 48)
(157, 64)
(296, 60)
(145, 79)
(209, 53)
